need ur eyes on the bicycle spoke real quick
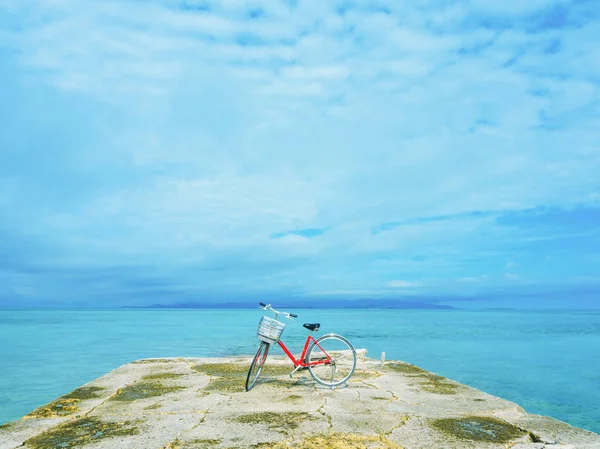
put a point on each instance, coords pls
(342, 358)
(257, 365)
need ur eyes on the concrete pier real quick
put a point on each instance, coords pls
(185, 403)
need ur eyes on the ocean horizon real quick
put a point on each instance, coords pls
(544, 360)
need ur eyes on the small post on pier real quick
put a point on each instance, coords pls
(382, 358)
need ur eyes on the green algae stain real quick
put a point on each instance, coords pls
(176, 444)
(478, 428)
(293, 398)
(230, 377)
(276, 370)
(55, 409)
(222, 369)
(75, 434)
(153, 406)
(162, 376)
(406, 368)
(7, 426)
(240, 370)
(225, 385)
(193, 444)
(439, 385)
(201, 444)
(534, 438)
(287, 420)
(334, 441)
(84, 393)
(143, 390)
(150, 361)
(429, 382)
(225, 377)
(360, 374)
(65, 405)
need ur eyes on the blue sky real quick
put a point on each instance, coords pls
(180, 151)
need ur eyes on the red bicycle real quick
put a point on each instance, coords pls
(330, 359)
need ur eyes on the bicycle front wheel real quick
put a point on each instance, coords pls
(332, 360)
(257, 365)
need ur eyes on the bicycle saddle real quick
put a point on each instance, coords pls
(312, 327)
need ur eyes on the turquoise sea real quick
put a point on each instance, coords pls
(546, 361)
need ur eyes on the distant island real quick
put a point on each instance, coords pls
(333, 304)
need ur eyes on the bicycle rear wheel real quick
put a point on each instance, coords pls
(257, 365)
(338, 357)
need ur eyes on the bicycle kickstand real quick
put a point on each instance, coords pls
(295, 369)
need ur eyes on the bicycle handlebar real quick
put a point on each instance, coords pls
(288, 315)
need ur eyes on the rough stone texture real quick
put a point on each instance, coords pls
(201, 403)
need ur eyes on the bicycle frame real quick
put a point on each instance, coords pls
(300, 362)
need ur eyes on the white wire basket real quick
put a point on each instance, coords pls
(269, 330)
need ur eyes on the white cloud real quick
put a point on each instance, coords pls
(401, 284)
(321, 73)
(481, 278)
(513, 8)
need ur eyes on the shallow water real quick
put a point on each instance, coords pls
(546, 361)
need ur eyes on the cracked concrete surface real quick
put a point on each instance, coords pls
(201, 403)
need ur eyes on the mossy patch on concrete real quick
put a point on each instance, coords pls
(153, 406)
(226, 385)
(225, 377)
(276, 370)
(55, 409)
(162, 376)
(201, 444)
(293, 398)
(7, 426)
(363, 374)
(281, 383)
(143, 390)
(84, 393)
(335, 441)
(80, 432)
(438, 384)
(534, 438)
(240, 370)
(222, 369)
(176, 444)
(193, 444)
(478, 428)
(405, 368)
(148, 361)
(65, 405)
(284, 420)
(429, 382)
(231, 377)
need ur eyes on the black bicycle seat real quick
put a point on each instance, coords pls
(312, 327)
